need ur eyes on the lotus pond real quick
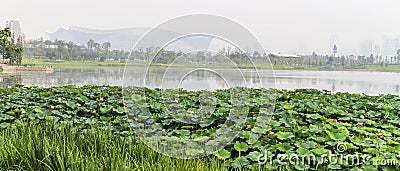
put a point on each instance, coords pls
(37, 124)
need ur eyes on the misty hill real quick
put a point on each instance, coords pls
(122, 38)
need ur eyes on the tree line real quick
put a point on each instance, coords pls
(62, 50)
(95, 51)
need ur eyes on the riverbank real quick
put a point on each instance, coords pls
(87, 127)
(95, 64)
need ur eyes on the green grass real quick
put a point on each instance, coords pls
(94, 64)
(59, 147)
(71, 64)
(389, 68)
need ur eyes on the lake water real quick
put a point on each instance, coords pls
(372, 83)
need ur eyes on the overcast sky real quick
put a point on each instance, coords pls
(286, 26)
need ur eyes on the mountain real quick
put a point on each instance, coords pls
(124, 38)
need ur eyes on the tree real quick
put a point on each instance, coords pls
(256, 54)
(148, 54)
(370, 59)
(4, 41)
(9, 49)
(90, 44)
(60, 47)
(70, 46)
(106, 47)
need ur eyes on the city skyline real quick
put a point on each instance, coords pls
(287, 26)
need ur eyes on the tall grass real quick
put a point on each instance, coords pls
(58, 147)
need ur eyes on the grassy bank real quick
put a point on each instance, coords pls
(94, 64)
(71, 64)
(86, 128)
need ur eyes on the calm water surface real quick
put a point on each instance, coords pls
(372, 83)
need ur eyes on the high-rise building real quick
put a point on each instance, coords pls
(366, 48)
(15, 29)
(390, 46)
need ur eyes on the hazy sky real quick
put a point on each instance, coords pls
(285, 26)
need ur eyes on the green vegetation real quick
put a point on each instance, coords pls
(36, 61)
(9, 48)
(59, 147)
(80, 128)
(68, 64)
(61, 50)
(58, 51)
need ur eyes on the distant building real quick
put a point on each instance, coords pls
(390, 46)
(335, 50)
(15, 29)
(366, 48)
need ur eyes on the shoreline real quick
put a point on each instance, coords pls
(95, 64)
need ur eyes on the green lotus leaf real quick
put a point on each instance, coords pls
(106, 109)
(240, 162)
(369, 168)
(288, 106)
(284, 135)
(337, 136)
(241, 146)
(70, 104)
(371, 151)
(284, 147)
(119, 110)
(223, 154)
(254, 156)
(320, 151)
(302, 151)
(355, 169)
(4, 117)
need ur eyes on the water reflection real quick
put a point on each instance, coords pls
(337, 81)
(9, 80)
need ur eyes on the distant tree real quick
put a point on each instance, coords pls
(256, 54)
(314, 54)
(140, 53)
(148, 54)
(106, 47)
(97, 49)
(371, 59)
(60, 48)
(342, 61)
(17, 54)
(70, 46)
(90, 44)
